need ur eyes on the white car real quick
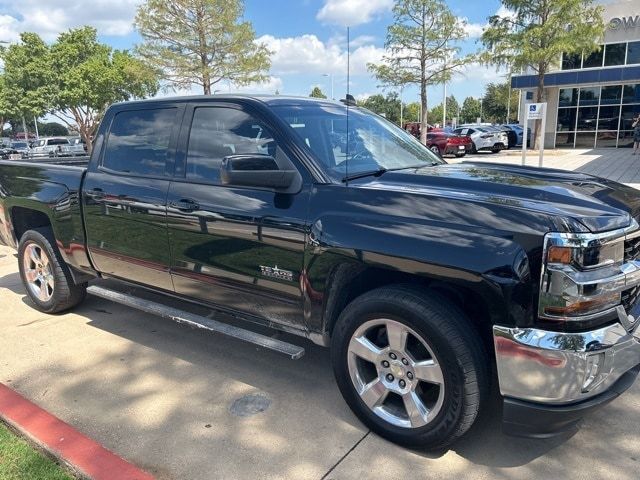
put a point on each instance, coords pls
(47, 147)
(76, 148)
(484, 138)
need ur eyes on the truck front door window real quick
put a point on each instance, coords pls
(218, 132)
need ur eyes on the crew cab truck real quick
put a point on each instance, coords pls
(427, 281)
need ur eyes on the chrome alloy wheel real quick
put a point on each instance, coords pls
(38, 272)
(396, 373)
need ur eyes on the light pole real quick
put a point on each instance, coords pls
(330, 75)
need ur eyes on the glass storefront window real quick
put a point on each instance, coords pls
(629, 112)
(594, 59)
(585, 140)
(606, 139)
(608, 118)
(587, 118)
(565, 139)
(631, 93)
(566, 119)
(589, 96)
(611, 95)
(614, 54)
(571, 61)
(625, 139)
(633, 53)
(568, 97)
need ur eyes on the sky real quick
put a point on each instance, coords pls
(308, 38)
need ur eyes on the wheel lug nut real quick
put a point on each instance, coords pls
(385, 364)
(405, 361)
(410, 375)
(390, 377)
(393, 356)
(402, 384)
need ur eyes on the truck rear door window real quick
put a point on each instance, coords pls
(139, 141)
(217, 132)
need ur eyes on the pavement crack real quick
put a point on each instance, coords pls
(345, 455)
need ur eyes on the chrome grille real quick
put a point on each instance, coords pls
(631, 249)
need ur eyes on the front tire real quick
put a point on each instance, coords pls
(44, 274)
(436, 150)
(410, 366)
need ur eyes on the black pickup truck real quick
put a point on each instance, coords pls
(428, 281)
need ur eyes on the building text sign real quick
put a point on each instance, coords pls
(624, 23)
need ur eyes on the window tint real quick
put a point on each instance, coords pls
(633, 53)
(58, 141)
(568, 97)
(614, 54)
(139, 141)
(594, 59)
(219, 132)
(571, 61)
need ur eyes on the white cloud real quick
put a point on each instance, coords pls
(474, 30)
(481, 73)
(48, 19)
(307, 54)
(272, 85)
(352, 12)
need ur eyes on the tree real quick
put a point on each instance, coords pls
(52, 129)
(27, 79)
(470, 110)
(412, 112)
(317, 93)
(88, 76)
(452, 110)
(421, 48)
(496, 101)
(200, 42)
(388, 106)
(535, 34)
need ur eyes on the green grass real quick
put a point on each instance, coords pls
(20, 461)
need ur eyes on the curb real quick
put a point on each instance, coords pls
(62, 441)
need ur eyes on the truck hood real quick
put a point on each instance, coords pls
(597, 204)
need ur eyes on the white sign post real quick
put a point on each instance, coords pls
(534, 111)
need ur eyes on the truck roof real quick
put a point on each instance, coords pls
(266, 99)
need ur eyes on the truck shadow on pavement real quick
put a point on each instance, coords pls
(159, 394)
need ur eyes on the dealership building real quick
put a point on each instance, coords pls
(592, 99)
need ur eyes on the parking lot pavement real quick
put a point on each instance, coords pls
(160, 395)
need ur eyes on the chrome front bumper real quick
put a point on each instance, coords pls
(561, 368)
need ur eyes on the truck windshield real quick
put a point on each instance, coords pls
(371, 142)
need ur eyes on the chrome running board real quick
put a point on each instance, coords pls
(197, 321)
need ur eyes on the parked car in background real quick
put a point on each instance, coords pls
(484, 138)
(443, 143)
(76, 148)
(21, 147)
(7, 153)
(47, 147)
(517, 128)
(512, 135)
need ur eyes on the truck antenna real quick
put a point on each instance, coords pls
(348, 101)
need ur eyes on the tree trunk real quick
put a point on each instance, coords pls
(423, 116)
(539, 99)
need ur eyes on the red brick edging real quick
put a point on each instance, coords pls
(63, 441)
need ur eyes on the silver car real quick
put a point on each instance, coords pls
(484, 138)
(47, 147)
(76, 148)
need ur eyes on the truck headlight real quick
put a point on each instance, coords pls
(583, 275)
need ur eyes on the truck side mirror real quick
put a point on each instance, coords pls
(255, 170)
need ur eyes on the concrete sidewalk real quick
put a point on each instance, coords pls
(614, 163)
(160, 395)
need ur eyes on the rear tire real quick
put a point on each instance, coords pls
(436, 150)
(45, 275)
(473, 148)
(433, 398)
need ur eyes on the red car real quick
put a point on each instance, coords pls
(443, 143)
